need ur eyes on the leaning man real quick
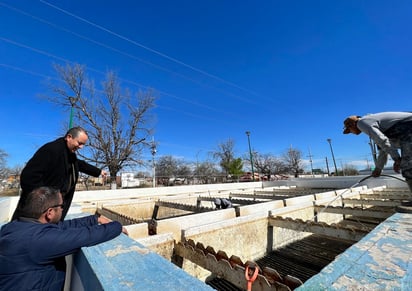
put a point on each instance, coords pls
(56, 165)
(391, 131)
(33, 246)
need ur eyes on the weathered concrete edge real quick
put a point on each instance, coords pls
(124, 264)
(358, 264)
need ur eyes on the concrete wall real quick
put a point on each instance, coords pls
(341, 182)
(209, 189)
(7, 206)
(245, 237)
(176, 224)
(123, 264)
(161, 244)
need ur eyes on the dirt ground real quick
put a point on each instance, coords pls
(9, 192)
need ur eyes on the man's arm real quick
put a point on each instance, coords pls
(88, 169)
(89, 220)
(373, 131)
(52, 241)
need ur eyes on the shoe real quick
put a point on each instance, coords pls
(406, 203)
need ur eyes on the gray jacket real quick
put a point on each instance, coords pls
(378, 127)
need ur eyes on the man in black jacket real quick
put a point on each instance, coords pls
(56, 165)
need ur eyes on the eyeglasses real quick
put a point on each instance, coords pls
(54, 206)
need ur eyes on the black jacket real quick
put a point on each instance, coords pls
(54, 166)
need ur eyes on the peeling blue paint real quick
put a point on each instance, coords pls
(380, 261)
(131, 266)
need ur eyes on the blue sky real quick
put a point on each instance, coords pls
(287, 71)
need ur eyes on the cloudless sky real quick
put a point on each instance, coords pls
(289, 72)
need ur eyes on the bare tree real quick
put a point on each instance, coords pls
(225, 154)
(349, 170)
(114, 118)
(168, 168)
(268, 164)
(4, 171)
(293, 160)
(205, 172)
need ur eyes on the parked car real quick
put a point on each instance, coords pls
(247, 177)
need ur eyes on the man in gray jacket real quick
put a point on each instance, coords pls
(390, 131)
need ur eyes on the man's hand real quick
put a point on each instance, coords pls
(103, 219)
(397, 165)
(103, 173)
(376, 173)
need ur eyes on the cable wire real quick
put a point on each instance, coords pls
(350, 188)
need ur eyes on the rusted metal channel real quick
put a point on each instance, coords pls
(233, 269)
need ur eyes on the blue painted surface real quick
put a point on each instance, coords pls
(382, 260)
(124, 264)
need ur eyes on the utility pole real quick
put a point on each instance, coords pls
(153, 150)
(333, 156)
(72, 102)
(327, 166)
(250, 153)
(311, 163)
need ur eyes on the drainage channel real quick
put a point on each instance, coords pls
(306, 257)
(301, 259)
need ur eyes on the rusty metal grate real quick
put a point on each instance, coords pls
(306, 257)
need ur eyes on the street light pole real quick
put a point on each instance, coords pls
(72, 102)
(333, 156)
(153, 150)
(251, 157)
(327, 166)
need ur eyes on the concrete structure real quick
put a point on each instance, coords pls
(380, 261)
(209, 245)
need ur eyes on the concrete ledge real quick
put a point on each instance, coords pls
(190, 232)
(162, 244)
(299, 200)
(261, 207)
(123, 264)
(156, 239)
(175, 225)
(212, 189)
(7, 206)
(244, 236)
(379, 261)
(303, 211)
(138, 230)
(325, 195)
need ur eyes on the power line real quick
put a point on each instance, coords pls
(225, 121)
(247, 100)
(147, 48)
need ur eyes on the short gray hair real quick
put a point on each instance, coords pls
(75, 131)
